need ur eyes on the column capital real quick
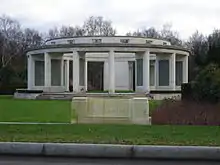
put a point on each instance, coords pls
(111, 51)
(173, 55)
(147, 53)
(75, 51)
(75, 54)
(46, 53)
(147, 50)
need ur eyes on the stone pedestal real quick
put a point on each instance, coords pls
(111, 110)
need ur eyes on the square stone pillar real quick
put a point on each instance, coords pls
(86, 74)
(31, 77)
(47, 70)
(173, 71)
(146, 71)
(67, 74)
(62, 71)
(157, 73)
(75, 71)
(111, 63)
(185, 69)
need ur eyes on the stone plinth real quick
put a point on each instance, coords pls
(116, 110)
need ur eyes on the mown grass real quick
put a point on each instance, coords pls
(113, 134)
(15, 110)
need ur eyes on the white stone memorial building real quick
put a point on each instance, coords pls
(98, 63)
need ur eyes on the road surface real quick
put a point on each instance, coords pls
(9, 160)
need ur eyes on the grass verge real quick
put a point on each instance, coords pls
(117, 134)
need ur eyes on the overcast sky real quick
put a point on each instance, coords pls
(126, 15)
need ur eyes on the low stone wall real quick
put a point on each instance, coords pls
(166, 96)
(29, 96)
(119, 110)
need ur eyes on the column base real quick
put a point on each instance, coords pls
(111, 91)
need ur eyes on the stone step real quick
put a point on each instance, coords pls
(54, 97)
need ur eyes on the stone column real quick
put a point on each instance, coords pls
(130, 71)
(75, 71)
(157, 73)
(67, 72)
(47, 70)
(146, 71)
(111, 63)
(185, 69)
(173, 71)
(61, 68)
(85, 74)
(30, 72)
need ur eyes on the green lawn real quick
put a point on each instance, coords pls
(15, 110)
(34, 110)
(117, 134)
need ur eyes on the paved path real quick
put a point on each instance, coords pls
(5, 160)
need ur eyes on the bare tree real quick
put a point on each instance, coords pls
(69, 31)
(172, 36)
(151, 33)
(97, 26)
(135, 33)
(166, 33)
(129, 34)
(13, 43)
(195, 42)
(11, 35)
(53, 33)
(32, 37)
(93, 26)
(147, 32)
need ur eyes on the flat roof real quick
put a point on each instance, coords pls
(56, 38)
(172, 47)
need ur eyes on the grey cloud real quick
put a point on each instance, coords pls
(185, 15)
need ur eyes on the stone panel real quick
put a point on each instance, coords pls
(111, 110)
(141, 111)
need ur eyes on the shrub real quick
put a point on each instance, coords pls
(176, 112)
(207, 84)
(153, 105)
(186, 91)
(10, 89)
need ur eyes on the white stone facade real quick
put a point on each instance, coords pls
(129, 63)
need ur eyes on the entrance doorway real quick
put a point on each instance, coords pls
(134, 76)
(95, 71)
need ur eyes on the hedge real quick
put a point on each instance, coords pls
(186, 113)
(10, 89)
(186, 91)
